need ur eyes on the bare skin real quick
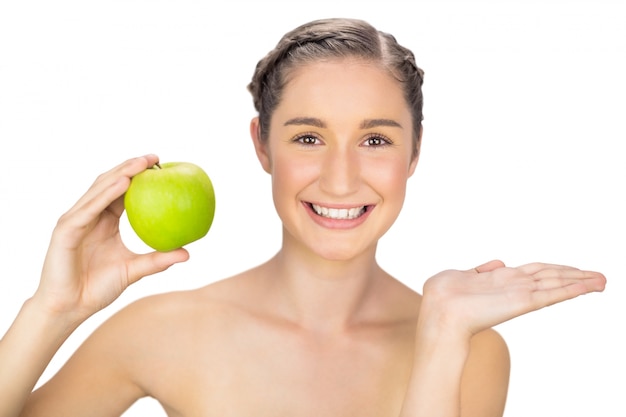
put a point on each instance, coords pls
(229, 352)
(320, 329)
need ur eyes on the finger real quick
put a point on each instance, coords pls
(488, 266)
(121, 173)
(535, 267)
(117, 206)
(106, 191)
(131, 167)
(558, 278)
(128, 171)
(154, 262)
(576, 288)
(76, 223)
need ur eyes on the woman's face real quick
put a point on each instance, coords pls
(340, 153)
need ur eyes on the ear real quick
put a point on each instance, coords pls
(416, 158)
(260, 146)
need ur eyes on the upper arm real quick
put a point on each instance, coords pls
(485, 379)
(98, 379)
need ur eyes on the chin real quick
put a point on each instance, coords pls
(331, 245)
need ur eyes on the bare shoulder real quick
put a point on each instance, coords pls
(172, 318)
(485, 378)
(176, 308)
(489, 343)
(137, 352)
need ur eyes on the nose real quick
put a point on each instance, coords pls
(340, 173)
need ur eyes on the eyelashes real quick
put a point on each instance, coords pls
(377, 141)
(373, 140)
(307, 139)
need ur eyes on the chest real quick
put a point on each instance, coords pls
(290, 376)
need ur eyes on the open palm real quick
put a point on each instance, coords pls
(492, 293)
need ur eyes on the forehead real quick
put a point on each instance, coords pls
(328, 89)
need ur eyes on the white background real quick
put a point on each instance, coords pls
(523, 156)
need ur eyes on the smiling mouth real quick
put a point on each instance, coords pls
(339, 213)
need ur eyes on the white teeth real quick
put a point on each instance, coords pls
(339, 214)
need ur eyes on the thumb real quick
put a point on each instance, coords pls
(153, 262)
(489, 266)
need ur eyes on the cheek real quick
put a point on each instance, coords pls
(389, 176)
(290, 175)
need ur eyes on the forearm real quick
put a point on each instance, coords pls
(25, 352)
(435, 385)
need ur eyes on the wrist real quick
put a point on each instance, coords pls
(437, 325)
(441, 350)
(54, 321)
(26, 350)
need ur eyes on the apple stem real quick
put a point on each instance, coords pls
(157, 166)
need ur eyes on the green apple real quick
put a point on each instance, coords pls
(170, 205)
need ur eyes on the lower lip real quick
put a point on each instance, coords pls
(342, 224)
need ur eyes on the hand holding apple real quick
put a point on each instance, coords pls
(87, 266)
(170, 205)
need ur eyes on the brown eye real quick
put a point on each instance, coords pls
(307, 140)
(376, 141)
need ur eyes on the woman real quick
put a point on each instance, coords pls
(320, 328)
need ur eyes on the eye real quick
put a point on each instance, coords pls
(307, 139)
(376, 141)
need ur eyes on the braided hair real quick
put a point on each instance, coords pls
(332, 39)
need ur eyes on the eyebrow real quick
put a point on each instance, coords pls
(370, 123)
(365, 124)
(309, 121)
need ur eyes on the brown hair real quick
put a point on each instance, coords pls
(334, 38)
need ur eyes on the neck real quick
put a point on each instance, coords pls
(323, 295)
